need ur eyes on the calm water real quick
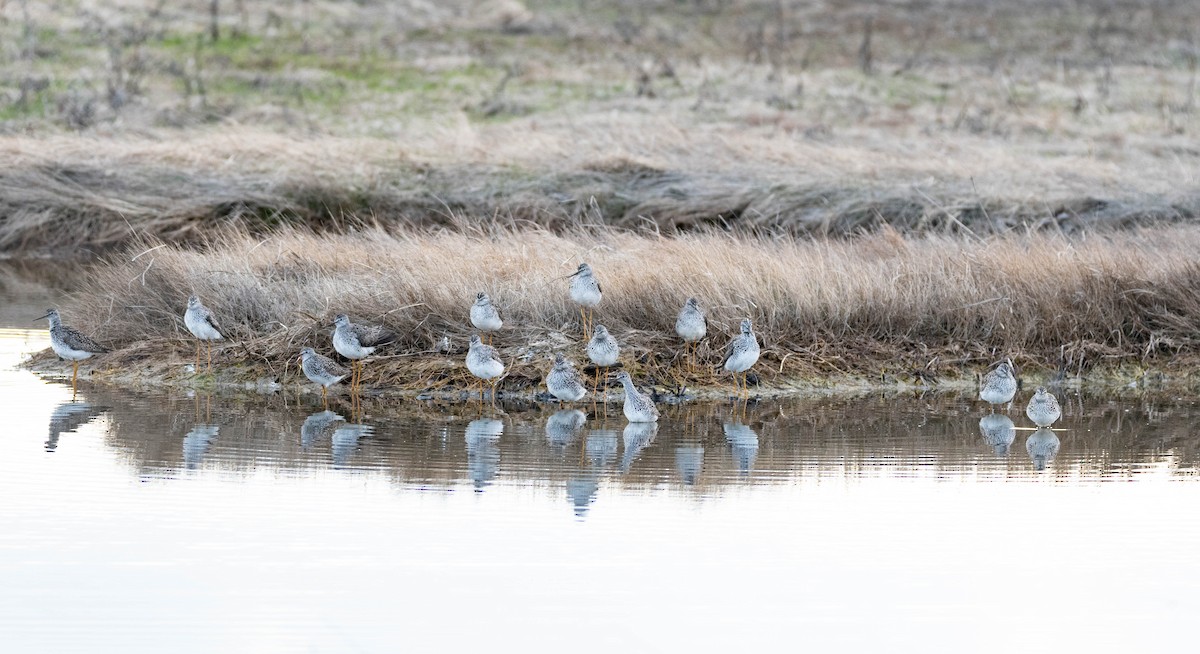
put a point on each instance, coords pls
(132, 522)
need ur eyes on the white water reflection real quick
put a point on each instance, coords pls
(318, 427)
(195, 444)
(67, 417)
(563, 427)
(743, 445)
(1042, 446)
(998, 431)
(483, 454)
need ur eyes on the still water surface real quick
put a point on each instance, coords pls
(135, 522)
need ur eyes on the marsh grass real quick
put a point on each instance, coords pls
(67, 196)
(127, 120)
(884, 306)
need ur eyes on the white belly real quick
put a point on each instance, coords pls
(587, 295)
(67, 353)
(489, 369)
(997, 395)
(349, 347)
(741, 361)
(200, 328)
(488, 321)
(691, 332)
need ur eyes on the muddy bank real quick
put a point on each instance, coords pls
(445, 379)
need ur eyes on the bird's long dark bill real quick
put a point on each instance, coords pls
(41, 318)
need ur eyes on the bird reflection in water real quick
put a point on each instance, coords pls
(600, 448)
(598, 452)
(689, 460)
(318, 426)
(483, 452)
(195, 444)
(998, 431)
(69, 416)
(743, 444)
(1042, 446)
(344, 441)
(562, 428)
(636, 437)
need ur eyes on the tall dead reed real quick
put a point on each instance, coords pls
(879, 304)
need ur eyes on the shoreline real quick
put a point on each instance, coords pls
(242, 377)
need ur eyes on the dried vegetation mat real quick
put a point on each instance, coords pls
(874, 308)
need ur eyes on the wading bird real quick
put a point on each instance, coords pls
(998, 386)
(603, 351)
(321, 370)
(639, 407)
(585, 291)
(484, 363)
(484, 315)
(691, 326)
(70, 344)
(563, 382)
(740, 355)
(357, 342)
(1043, 408)
(203, 325)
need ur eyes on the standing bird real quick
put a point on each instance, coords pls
(70, 344)
(203, 325)
(740, 355)
(1043, 408)
(639, 407)
(485, 316)
(998, 386)
(603, 351)
(356, 342)
(563, 381)
(321, 370)
(691, 325)
(484, 363)
(585, 291)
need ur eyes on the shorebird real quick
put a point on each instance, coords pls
(321, 370)
(484, 363)
(563, 381)
(691, 325)
(998, 386)
(639, 407)
(70, 344)
(484, 315)
(356, 342)
(1043, 408)
(603, 351)
(740, 355)
(585, 291)
(203, 325)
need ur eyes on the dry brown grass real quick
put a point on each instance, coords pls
(78, 196)
(880, 305)
(124, 119)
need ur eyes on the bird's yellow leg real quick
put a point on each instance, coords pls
(196, 368)
(210, 357)
(74, 376)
